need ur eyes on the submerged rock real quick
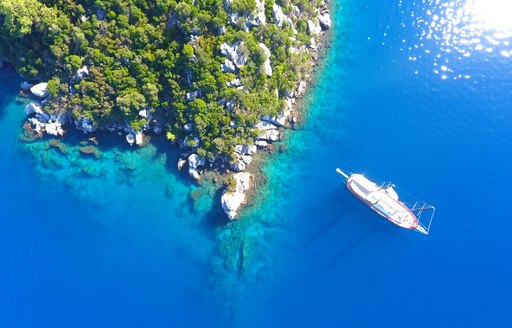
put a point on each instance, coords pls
(90, 150)
(231, 200)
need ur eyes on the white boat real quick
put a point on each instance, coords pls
(384, 200)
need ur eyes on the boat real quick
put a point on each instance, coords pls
(384, 200)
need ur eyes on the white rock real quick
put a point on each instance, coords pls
(194, 161)
(265, 125)
(245, 149)
(314, 27)
(33, 108)
(144, 113)
(257, 17)
(228, 66)
(238, 165)
(230, 105)
(234, 53)
(39, 90)
(234, 83)
(279, 17)
(36, 124)
(247, 159)
(267, 68)
(325, 21)
(194, 174)
(261, 143)
(312, 44)
(54, 129)
(269, 135)
(231, 201)
(81, 73)
(130, 138)
(181, 163)
(302, 88)
(188, 127)
(138, 138)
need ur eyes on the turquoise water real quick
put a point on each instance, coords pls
(126, 240)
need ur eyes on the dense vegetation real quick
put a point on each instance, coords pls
(148, 54)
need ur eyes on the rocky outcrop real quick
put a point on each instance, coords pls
(243, 158)
(195, 161)
(234, 53)
(130, 138)
(41, 121)
(314, 27)
(231, 200)
(39, 90)
(325, 21)
(279, 17)
(267, 68)
(82, 73)
(257, 17)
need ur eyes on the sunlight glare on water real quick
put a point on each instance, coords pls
(450, 33)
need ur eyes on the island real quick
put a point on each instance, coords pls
(219, 78)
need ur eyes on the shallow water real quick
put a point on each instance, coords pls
(120, 240)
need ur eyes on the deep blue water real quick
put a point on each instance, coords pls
(399, 99)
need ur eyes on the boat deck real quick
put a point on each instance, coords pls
(382, 202)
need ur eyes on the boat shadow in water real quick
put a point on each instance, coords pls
(348, 228)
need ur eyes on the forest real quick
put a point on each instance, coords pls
(164, 56)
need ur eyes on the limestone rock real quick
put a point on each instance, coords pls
(234, 83)
(39, 90)
(130, 138)
(314, 27)
(36, 124)
(138, 138)
(194, 174)
(194, 161)
(279, 16)
(228, 66)
(325, 21)
(54, 129)
(267, 68)
(270, 135)
(81, 73)
(238, 166)
(302, 88)
(265, 125)
(232, 200)
(257, 17)
(181, 163)
(234, 53)
(261, 143)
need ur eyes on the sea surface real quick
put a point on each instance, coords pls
(414, 92)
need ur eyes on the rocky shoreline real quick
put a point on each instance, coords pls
(269, 129)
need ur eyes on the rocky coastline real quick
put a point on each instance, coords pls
(239, 178)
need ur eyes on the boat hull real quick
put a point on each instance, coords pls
(382, 202)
